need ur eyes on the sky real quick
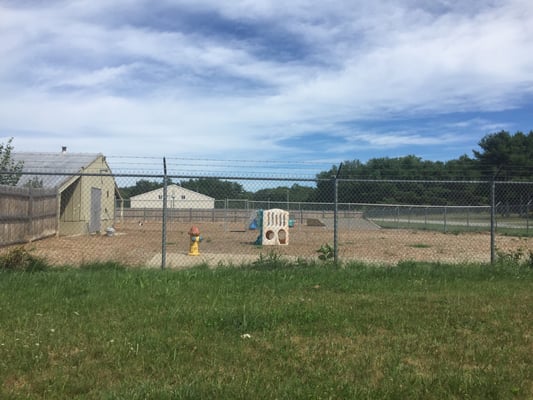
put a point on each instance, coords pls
(275, 80)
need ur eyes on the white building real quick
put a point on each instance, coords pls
(177, 197)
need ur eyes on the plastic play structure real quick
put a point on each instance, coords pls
(273, 226)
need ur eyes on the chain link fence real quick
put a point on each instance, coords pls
(145, 219)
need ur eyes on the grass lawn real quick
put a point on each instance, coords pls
(268, 331)
(509, 227)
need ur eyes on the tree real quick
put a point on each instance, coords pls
(34, 183)
(214, 187)
(509, 158)
(10, 170)
(299, 193)
(141, 186)
(505, 156)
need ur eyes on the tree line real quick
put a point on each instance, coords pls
(502, 157)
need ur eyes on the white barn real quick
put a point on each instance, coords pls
(177, 197)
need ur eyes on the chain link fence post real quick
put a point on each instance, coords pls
(164, 223)
(336, 216)
(493, 221)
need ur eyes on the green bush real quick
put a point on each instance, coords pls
(20, 259)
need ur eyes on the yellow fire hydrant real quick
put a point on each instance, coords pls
(194, 248)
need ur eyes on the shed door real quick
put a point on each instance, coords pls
(96, 207)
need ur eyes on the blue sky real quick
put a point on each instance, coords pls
(306, 81)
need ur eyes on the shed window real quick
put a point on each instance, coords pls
(183, 197)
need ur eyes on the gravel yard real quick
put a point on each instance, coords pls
(141, 245)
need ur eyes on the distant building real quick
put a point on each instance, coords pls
(177, 197)
(86, 203)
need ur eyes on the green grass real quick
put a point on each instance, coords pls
(452, 227)
(423, 226)
(415, 331)
(421, 246)
(458, 223)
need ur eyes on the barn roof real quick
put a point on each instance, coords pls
(54, 164)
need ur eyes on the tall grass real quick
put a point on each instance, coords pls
(413, 331)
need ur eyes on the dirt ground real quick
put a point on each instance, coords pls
(141, 245)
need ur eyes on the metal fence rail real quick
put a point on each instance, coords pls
(375, 221)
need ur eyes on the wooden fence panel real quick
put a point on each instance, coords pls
(26, 214)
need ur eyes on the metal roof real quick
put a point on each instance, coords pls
(51, 166)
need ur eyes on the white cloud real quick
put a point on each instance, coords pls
(68, 67)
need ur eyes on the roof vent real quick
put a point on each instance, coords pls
(63, 149)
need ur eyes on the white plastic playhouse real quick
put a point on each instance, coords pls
(273, 227)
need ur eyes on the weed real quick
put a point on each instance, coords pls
(515, 258)
(325, 252)
(420, 246)
(271, 260)
(103, 266)
(20, 259)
